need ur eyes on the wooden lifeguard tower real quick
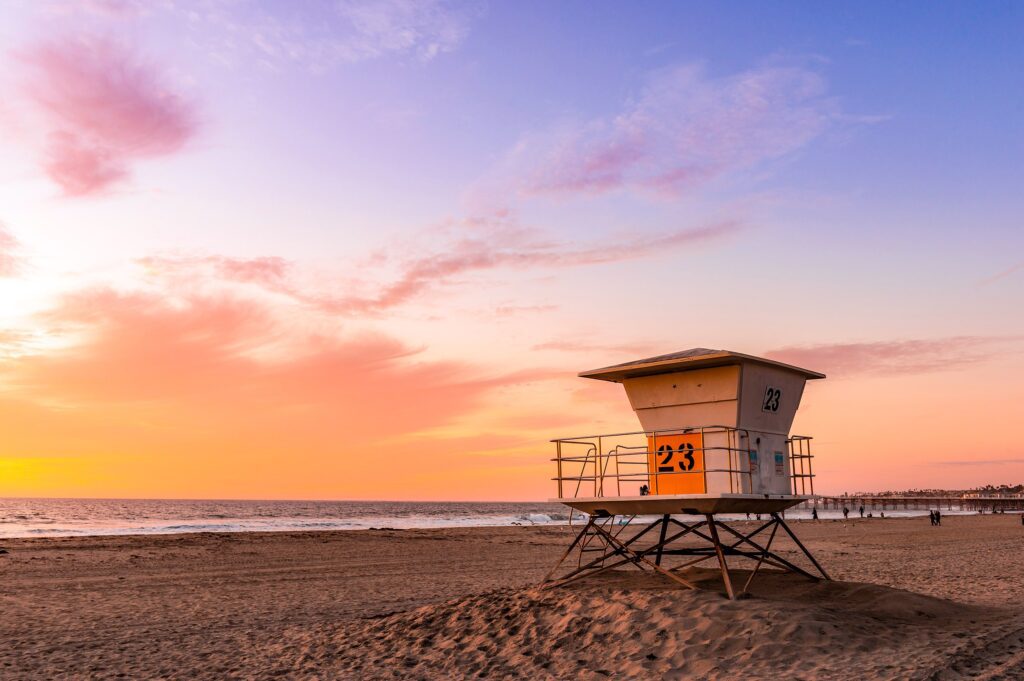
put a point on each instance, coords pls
(715, 440)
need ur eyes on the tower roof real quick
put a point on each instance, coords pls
(687, 360)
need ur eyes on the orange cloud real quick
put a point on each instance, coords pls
(105, 109)
(231, 354)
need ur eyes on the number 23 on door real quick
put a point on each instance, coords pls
(675, 463)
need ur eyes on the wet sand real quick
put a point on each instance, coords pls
(909, 601)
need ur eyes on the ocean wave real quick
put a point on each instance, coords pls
(68, 517)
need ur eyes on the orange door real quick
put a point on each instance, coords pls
(675, 463)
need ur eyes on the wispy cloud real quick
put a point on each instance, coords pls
(578, 346)
(314, 34)
(521, 249)
(269, 272)
(112, 8)
(10, 259)
(894, 357)
(323, 34)
(488, 248)
(105, 108)
(683, 129)
(984, 462)
(1009, 271)
(514, 310)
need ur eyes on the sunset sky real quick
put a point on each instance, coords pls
(346, 250)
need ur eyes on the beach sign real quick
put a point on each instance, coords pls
(676, 463)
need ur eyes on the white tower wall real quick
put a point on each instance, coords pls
(760, 401)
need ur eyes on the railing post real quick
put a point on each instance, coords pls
(619, 476)
(729, 453)
(652, 448)
(558, 455)
(705, 458)
(804, 463)
(810, 466)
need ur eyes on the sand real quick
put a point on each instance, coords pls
(909, 601)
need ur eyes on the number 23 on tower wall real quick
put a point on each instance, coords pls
(771, 400)
(675, 463)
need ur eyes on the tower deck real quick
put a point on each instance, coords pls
(685, 504)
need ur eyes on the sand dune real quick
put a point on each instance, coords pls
(633, 625)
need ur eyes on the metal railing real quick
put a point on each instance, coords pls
(800, 464)
(620, 464)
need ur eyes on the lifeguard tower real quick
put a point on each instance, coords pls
(715, 440)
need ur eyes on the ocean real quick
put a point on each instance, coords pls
(79, 517)
(82, 517)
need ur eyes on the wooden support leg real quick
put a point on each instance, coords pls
(586, 528)
(695, 530)
(802, 547)
(712, 525)
(661, 539)
(610, 552)
(773, 558)
(616, 552)
(760, 561)
(638, 559)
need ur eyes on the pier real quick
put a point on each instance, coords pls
(886, 502)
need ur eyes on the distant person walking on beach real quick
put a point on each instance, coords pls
(931, 517)
(938, 517)
(846, 513)
(814, 514)
(862, 510)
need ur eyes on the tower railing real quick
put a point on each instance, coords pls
(628, 464)
(800, 464)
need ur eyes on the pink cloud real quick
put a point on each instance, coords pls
(683, 129)
(268, 271)
(106, 109)
(486, 247)
(10, 261)
(518, 249)
(892, 357)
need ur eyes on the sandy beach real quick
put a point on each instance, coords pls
(909, 601)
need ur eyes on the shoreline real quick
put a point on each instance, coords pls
(245, 525)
